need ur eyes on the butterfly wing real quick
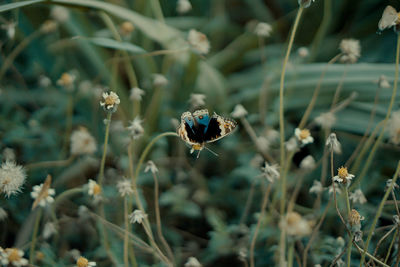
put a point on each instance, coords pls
(187, 130)
(202, 120)
(389, 18)
(218, 127)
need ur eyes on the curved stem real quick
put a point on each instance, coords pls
(103, 158)
(61, 197)
(47, 164)
(391, 245)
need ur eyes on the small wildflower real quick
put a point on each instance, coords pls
(383, 82)
(389, 18)
(183, 6)
(67, 81)
(13, 257)
(326, 120)
(270, 172)
(292, 145)
(43, 195)
(82, 142)
(83, 262)
(59, 13)
(296, 225)
(111, 101)
(263, 30)
(389, 183)
(197, 100)
(136, 94)
(316, 187)
(358, 236)
(137, 216)
(49, 26)
(125, 187)
(135, 128)
(3, 214)
(199, 41)
(304, 136)
(12, 177)
(159, 80)
(150, 166)
(308, 163)
(49, 230)
(343, 176)
(355, 219)
(192, 262)
(305, 3)
(94, 189)
(239, 112)
(303, 52)
(333, 143)
(350, 49)
(394, 127)
(337, 189)
(126, 28)
(357, 197)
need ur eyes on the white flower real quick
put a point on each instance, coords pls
(192, 262)
(263, 29)
(83, 262)
(137, 216)
(292, 145)
(82, 142)
(270, 172)
(389, 18)
(3, 214)
(239, 111)
(394, 127)
(135, 128)
(136, 94)
(383, 82)
(94, 189)
(308, 163)
(183, 6)
(49, 230)
(12, 256)
(46, 198)
(59, 13)
(333, 143)
(351, 50)
(303, 52)
(304, 136)
(337, 189)
(159, 80)
(12, 177)
(296, 225)
(150, 166)
(343, 176)
(198, 41)
(357, 197)
(197, 100)
(125, 187)
(326, 120)
(316, 187)
(111, 101)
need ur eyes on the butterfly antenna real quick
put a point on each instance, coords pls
(215, 154)
(198, 154)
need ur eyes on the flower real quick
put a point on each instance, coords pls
(67, 81)
(59, 13)
(308, 163)
(126, 28)
(270, 172)
(239, 111)
(337, 189)
(389, 18)
(305, 3)
(383, 82)
(12, 177)
(350, 49)
(94, 189)
(326, 120)
(159, 80)
(150, 166)
(192, 262)
(304, 136)
(183, 6)
(197, 100)
(357, 196)
(111, 101)
(303, 52)
(263, 29)
(43, 194)
(49, 230)
(82, 142)
(394, 127)
(125, 187)
(3, 214)
(12, 256)
(135, 128)
(333, 143)
(343, 176)
(296, 225)
(292, 145)
(83, 262)
(316, 187)
(198, 41)
(136, 94)
(137, 216)
(355, 219)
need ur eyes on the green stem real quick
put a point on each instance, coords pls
(103, 158)
(34, 236)
(290, 254)
(126, 238)
(49, 164)
(391, 245)
(322, 29)
(155, 4)
(350, 243)
(69, 119)
(379, 211)
(64, 195)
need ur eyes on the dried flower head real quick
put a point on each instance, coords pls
(333, 143)
(355, 219)
(13, 257)
(199, 41)
(192, 262)
(3, 214)
(343, 177)
(394, 127)
(82, 142)
(59, 13)
(150, 166)
(126, 28)
(12, 177)
(270, 172)
(326, 120)
(350, 49)
(390, 18)
(83, 262)
(136, 129)
(303, 52)
(67, 81)
(197, 100)
(383, 82)
(43, 195)
(183, 6)
(159, 80)
(125, 188)
(239, 112)
(303, 136)
(111, 101)
(137, 216)
(305, 3)
(136, 94)
(389, 184)
(308, 163)
(296, 225)
(357, 197)
(317, 187)
(263, 30)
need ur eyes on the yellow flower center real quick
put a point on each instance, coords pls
(13, 255)
(197, 147)
(127, 27)
(342, 172)
(109, 101)
(82, 262)
(66, 79)
(305, 133)
(96, 189)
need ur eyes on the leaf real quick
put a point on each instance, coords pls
(113, 44)
(18, 4)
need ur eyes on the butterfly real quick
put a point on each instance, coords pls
(200, 128)
(390, 17)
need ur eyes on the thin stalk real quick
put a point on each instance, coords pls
(346, 195)
(391, 244)
(322, 30)
(69, 119)
(103, 158)
(34, 236)
(339, 88)
(247, 206)
(126, 237)
(369, 255)
(379, 211)
(290, 254)
(49, 164)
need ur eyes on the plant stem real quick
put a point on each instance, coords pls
(290, 254)
(391, 245)
(346, 195)
(103, 158)
(34, 236)
(126, 236)
(49, 164)
(63, 196)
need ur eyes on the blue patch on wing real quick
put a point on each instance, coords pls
(203, 119)
(190, 122)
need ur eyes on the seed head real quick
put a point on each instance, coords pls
(82, 142)
(199, 41)
(12, 177)
(351, 50)
(263, 30)
(183, 6)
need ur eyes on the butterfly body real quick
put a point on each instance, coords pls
(200, 128)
